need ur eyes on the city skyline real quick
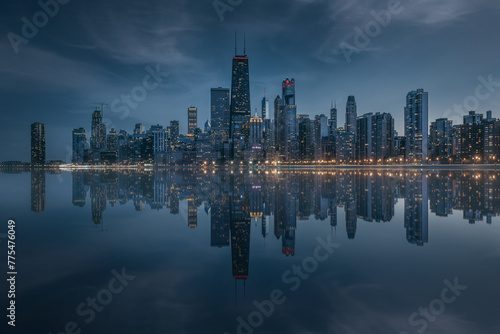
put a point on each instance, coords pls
(106, 67)
(290, 137)
(215, 165)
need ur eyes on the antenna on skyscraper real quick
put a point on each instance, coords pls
(244, 43)
(235, 42)
(101, 104)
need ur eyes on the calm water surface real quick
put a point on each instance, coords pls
(193, 251)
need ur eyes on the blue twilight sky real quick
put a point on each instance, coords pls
(95, 51)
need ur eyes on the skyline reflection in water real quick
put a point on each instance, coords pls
(223, 238)
(289, 196)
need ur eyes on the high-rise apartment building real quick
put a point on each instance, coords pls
(37, 143)
(416, 126)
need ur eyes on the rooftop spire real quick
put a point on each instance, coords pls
(244, 43)
(235, 42)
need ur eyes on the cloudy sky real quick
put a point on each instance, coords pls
(96, 51)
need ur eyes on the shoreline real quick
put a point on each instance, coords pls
(256, 167)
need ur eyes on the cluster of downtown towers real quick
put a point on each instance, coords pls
(234, 135)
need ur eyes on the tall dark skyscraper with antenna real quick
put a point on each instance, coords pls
(333, 119)
(240, 103)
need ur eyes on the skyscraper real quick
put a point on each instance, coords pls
(37, 143)
(139, 129)
(345, 146)
(240, 104)
(98, 134)
(440, 139)
(173, 135)
(382, 137)
(219, 116)
(374, 137)
(471, 138)
(279, 124)
(332, 122)
(256, 131)
(306, 138)
(265, 107)
(287, 122)
(364, 138)
(79, 141)
(112, 141)
(416, 125)
(192, 119)
(350, 115)
(320, 136)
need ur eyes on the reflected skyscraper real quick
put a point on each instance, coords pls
(240, 229)
(192, 214)
(285, 216)
(97, 197)
(234, 203)
(79, 192)
(416, 208)
(220, 215)
(37, 190)
(441, 193)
